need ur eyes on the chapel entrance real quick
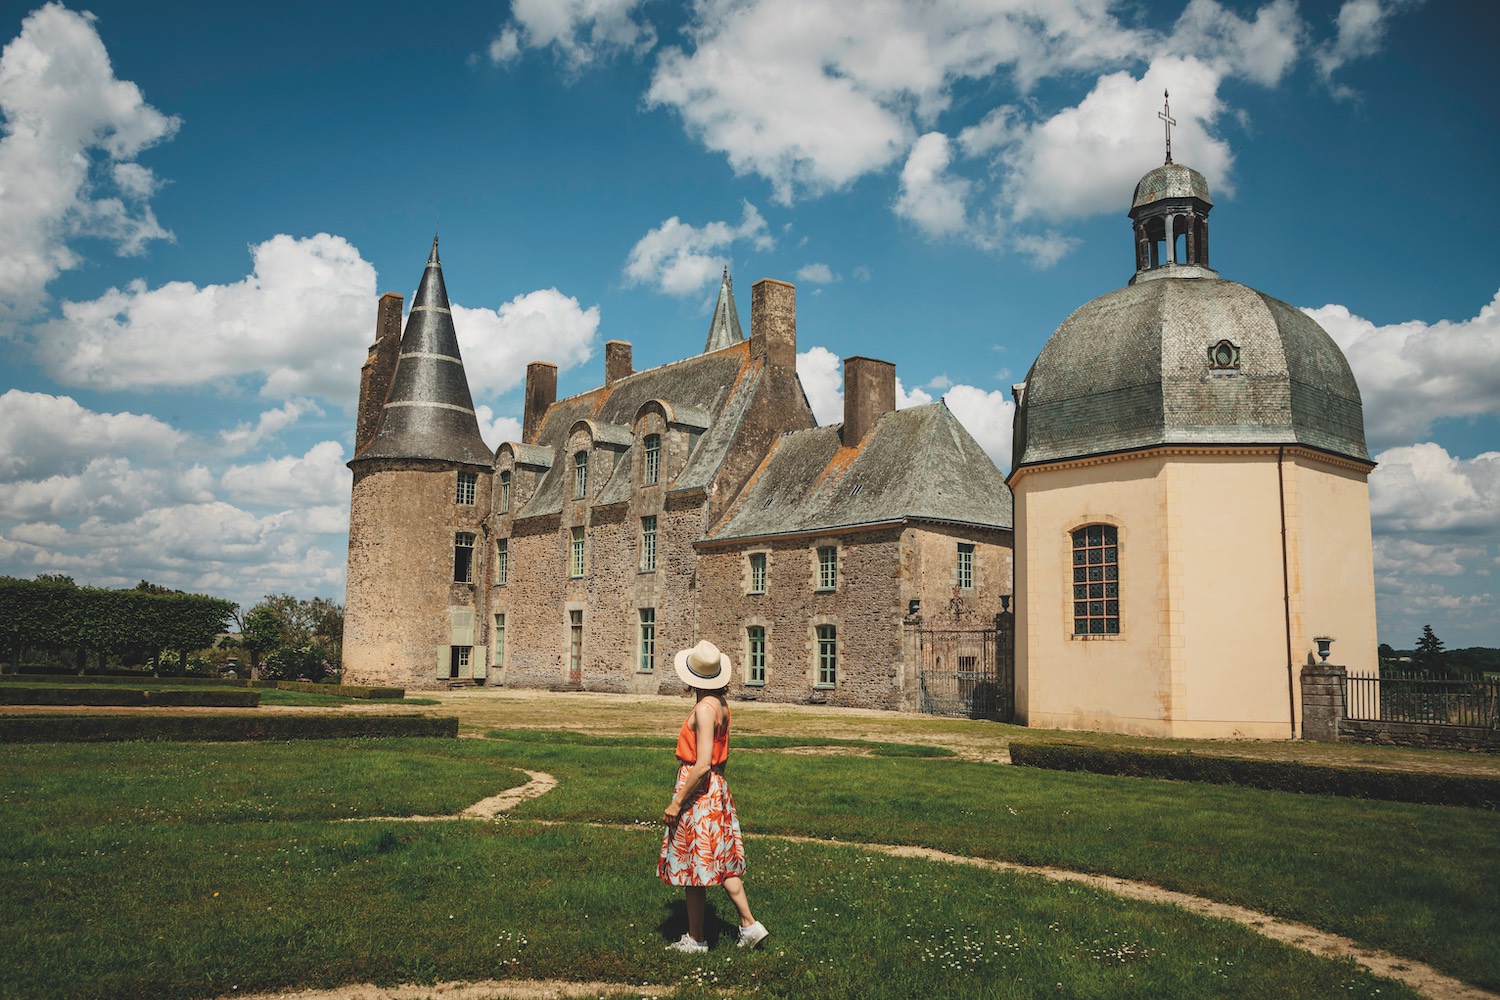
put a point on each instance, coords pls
(969, 672)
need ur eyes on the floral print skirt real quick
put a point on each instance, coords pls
(704, 847)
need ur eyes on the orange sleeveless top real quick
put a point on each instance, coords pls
(687, 741)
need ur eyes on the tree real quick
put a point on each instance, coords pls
(294, 637)
(1430, 651)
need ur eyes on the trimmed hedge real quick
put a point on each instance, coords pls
(1288, 776)
(121, 696)
(218, 728)
(130, 678)
(343, 690)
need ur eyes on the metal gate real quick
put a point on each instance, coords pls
(968, 672)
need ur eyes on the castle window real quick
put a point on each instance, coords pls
(466, 482)
(828, 567)
(965, 566)
(828, 656)
(505, 492)
(648, 640)
(1096, 580)
(463, 557)
(458, 660)
(755, 636)
(502, 562)
(757, 572)
(499, 640)
(580, 475)
(575, 642)
(576, 568)
(648, 543)
(652, 471)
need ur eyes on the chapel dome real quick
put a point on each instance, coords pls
(1187, 360)
(1170, 180)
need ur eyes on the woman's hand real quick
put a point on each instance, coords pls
(669, 815)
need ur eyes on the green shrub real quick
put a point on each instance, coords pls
(124, 696)
(343, 690)
(131, 677)
(218, 728)
(1287, 776)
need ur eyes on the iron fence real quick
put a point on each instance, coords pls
(967, 673)
(1413, 697)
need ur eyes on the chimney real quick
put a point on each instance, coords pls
(379, 368)
(616, 361)
(869, 394)
(773, 323)
(541, 393)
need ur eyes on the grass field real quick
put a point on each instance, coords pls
(180, 870)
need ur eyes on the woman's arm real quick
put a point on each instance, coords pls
(704, 718)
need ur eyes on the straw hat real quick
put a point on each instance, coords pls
(703, 666)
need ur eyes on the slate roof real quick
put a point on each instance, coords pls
(1170, 180)
(917, 463)
(724, 329)
(708, 392)
(1131, 369)
(429, 413)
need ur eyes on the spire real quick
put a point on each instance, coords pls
(724, 329)
(429, 413)
(1165, 114)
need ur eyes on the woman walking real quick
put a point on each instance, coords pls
(702, 846)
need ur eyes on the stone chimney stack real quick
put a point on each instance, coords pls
(379, 368)
(616, 361)
(541, 392)
(869, 394)
(773, 323)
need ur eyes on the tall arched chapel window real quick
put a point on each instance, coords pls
(1096, 580)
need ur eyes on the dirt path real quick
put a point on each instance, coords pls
(485, 989)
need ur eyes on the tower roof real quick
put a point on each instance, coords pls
(429, 413)
(724, 329)
(1170, 180)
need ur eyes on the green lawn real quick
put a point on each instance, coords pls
(179, 870)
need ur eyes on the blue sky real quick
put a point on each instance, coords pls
(201, 203)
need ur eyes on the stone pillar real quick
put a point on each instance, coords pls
(1171, 224)
(1322, 702)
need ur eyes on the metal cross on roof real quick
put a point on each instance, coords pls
(1165, 114)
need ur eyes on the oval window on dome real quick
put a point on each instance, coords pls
(1224, 356)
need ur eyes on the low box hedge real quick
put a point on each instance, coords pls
(1288, 776)
(121, 678)
(342, 690)
(218, 728)
(126, 697)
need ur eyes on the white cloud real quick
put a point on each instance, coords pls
(246, 436)
(496, 429)
(930, 197)
(1361, 27)
(1413, 374)
(1421, 488)
(42, 435)
(987, 415)
(681, 259)
(290, 480)
(1261, 50)
(581, 31)
(817, 274)
(72, 132)
(822, 378)
(298, 325)
(497, 344)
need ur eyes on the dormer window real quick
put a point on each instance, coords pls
(505, 492)
(651, 472)
(580, 475)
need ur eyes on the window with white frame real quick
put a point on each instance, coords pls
(580, 475)
(757, 572)
(466, 484)
(576, 561)
(648, 640)
(648, 543)
(458, 660)
(828, 567)
(463, 557)
(755, 636)
(965, 566)
(505, 492)
(828, 656)
(1096, 580)
(499, 640)
(502, 562)
(651, 473)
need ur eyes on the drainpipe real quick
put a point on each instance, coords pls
(1286, 592)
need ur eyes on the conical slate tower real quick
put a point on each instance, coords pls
(429, 413)
(724, 329)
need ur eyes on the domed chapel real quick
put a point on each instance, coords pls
(1191, 505)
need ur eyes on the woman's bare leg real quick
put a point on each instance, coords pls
(697, 897)
(735, 886)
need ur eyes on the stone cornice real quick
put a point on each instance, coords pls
(1195, 451)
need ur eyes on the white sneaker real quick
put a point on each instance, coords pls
(752, 936)
(687, 944)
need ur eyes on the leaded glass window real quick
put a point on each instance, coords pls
(1096, 580)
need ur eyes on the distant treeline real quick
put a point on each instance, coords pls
(1471, 660)
(56, 613)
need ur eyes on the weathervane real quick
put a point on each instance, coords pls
(1165, 114)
